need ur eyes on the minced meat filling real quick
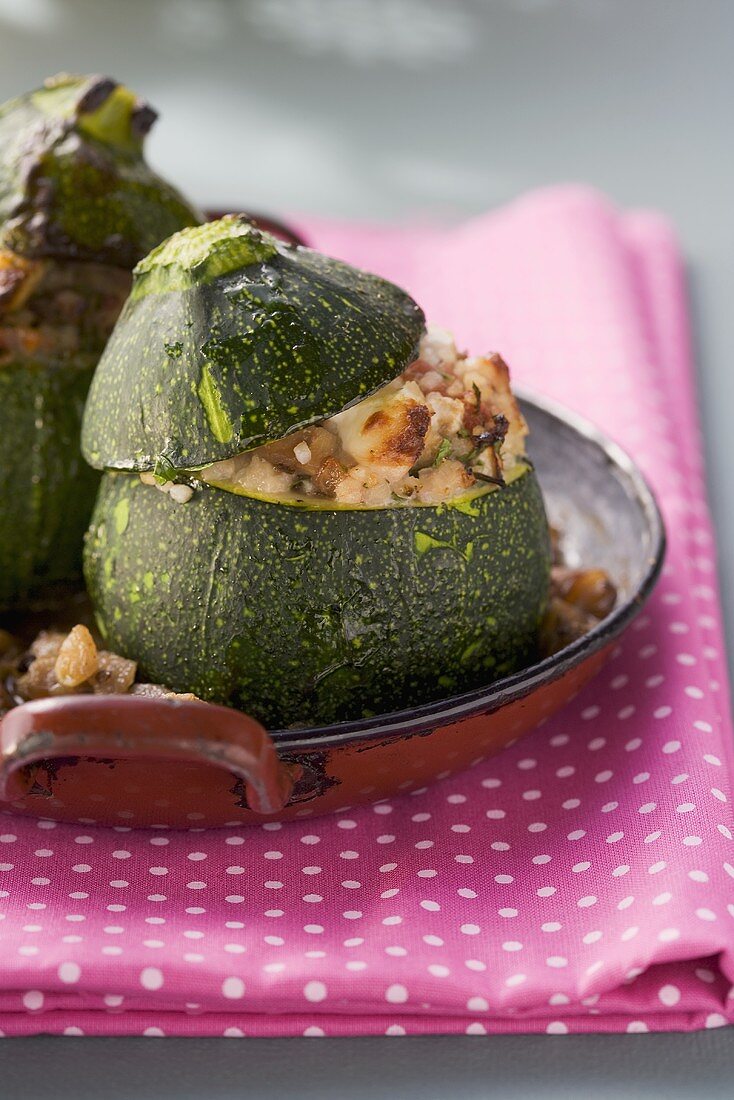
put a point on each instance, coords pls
(57, 310)
(448, 424)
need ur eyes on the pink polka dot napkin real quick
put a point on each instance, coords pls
(582, 881)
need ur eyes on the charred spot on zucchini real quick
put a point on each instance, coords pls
(73, 180)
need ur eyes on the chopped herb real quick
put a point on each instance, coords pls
(477, 395)
(164, 471)
(443, 452)
(491, 437)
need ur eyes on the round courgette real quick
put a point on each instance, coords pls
(312, 615)
(78, 207)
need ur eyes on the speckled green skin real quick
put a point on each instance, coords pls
(73, 180)
(46, 489)
(73, 185)
(204, 372)
(311, 616)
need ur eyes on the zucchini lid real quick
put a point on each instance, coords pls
(231, 339)
(73, 180)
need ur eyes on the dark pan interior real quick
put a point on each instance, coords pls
(591, 499)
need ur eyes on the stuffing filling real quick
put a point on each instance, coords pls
(60, 662)
(53, 310)
(449, 425)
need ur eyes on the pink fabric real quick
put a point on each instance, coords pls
(580, 882)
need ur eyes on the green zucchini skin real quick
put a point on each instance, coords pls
(74, 182)
(74, 187)
(252, 340)
(301, 615)
(46, 489)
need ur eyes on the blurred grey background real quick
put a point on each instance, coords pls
(441, 108)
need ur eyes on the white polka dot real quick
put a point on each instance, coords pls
(69, 972)
(477, 1004)
(670, 747)
(557, 1027)
(233, 988)
(715, 1019)
(512, 945)
(396, 994)
(438, 971)
(315, 992)
(706, 914)
(669, 995)
(476, 1029)
(636, 1026)
(556, 961)
(151, 978)
(470, 929)
(33, 1000)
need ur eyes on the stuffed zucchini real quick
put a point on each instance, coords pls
(313, 508)
(78, 208)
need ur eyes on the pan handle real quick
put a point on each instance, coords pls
(136, 727)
